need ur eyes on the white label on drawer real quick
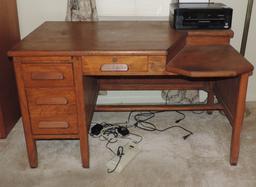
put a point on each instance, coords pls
(114, 67)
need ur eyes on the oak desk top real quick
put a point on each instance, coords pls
(79, 38)
(186, 54)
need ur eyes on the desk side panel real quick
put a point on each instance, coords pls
(30, 142)
(231, 93)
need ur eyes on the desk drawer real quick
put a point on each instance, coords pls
(66, 124)
(48, 75)
(115, 64)
(51, 101)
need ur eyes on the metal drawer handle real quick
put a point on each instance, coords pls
(47, 76)
(114, 68)
(52, 101)
(53, 125)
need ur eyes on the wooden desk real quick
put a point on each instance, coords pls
(61, 66)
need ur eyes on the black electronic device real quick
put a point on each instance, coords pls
(96, 129)
(123, 131)
(200, 16)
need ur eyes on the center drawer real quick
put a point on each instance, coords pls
(123, 65)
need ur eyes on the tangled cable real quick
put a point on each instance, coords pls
(111, 132)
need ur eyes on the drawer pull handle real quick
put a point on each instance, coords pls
(114, 68)
(52, 101)
(47, 76)
(53, 125)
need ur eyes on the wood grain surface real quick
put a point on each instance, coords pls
(209, 61)
(61, 66)
(79, 38)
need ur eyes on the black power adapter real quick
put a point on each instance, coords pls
(96, 129)
(123, 131)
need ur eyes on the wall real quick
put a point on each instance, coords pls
(251, 54)
(133, 7)
(32, 13)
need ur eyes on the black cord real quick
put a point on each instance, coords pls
(120, 153)
(143, 123)
(179, 120)
(134, 141)
(109, 132)
(109, 142)
(149, 115)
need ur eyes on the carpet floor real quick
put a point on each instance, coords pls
(165, 158)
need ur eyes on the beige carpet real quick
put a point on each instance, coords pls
(165, 158)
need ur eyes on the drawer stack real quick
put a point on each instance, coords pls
(51, 98)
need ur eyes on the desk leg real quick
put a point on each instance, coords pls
(87, 92)
(83, 127)
(210, 97)
(30, 142)
(232, 94)
(238, 119)
(32, 153)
